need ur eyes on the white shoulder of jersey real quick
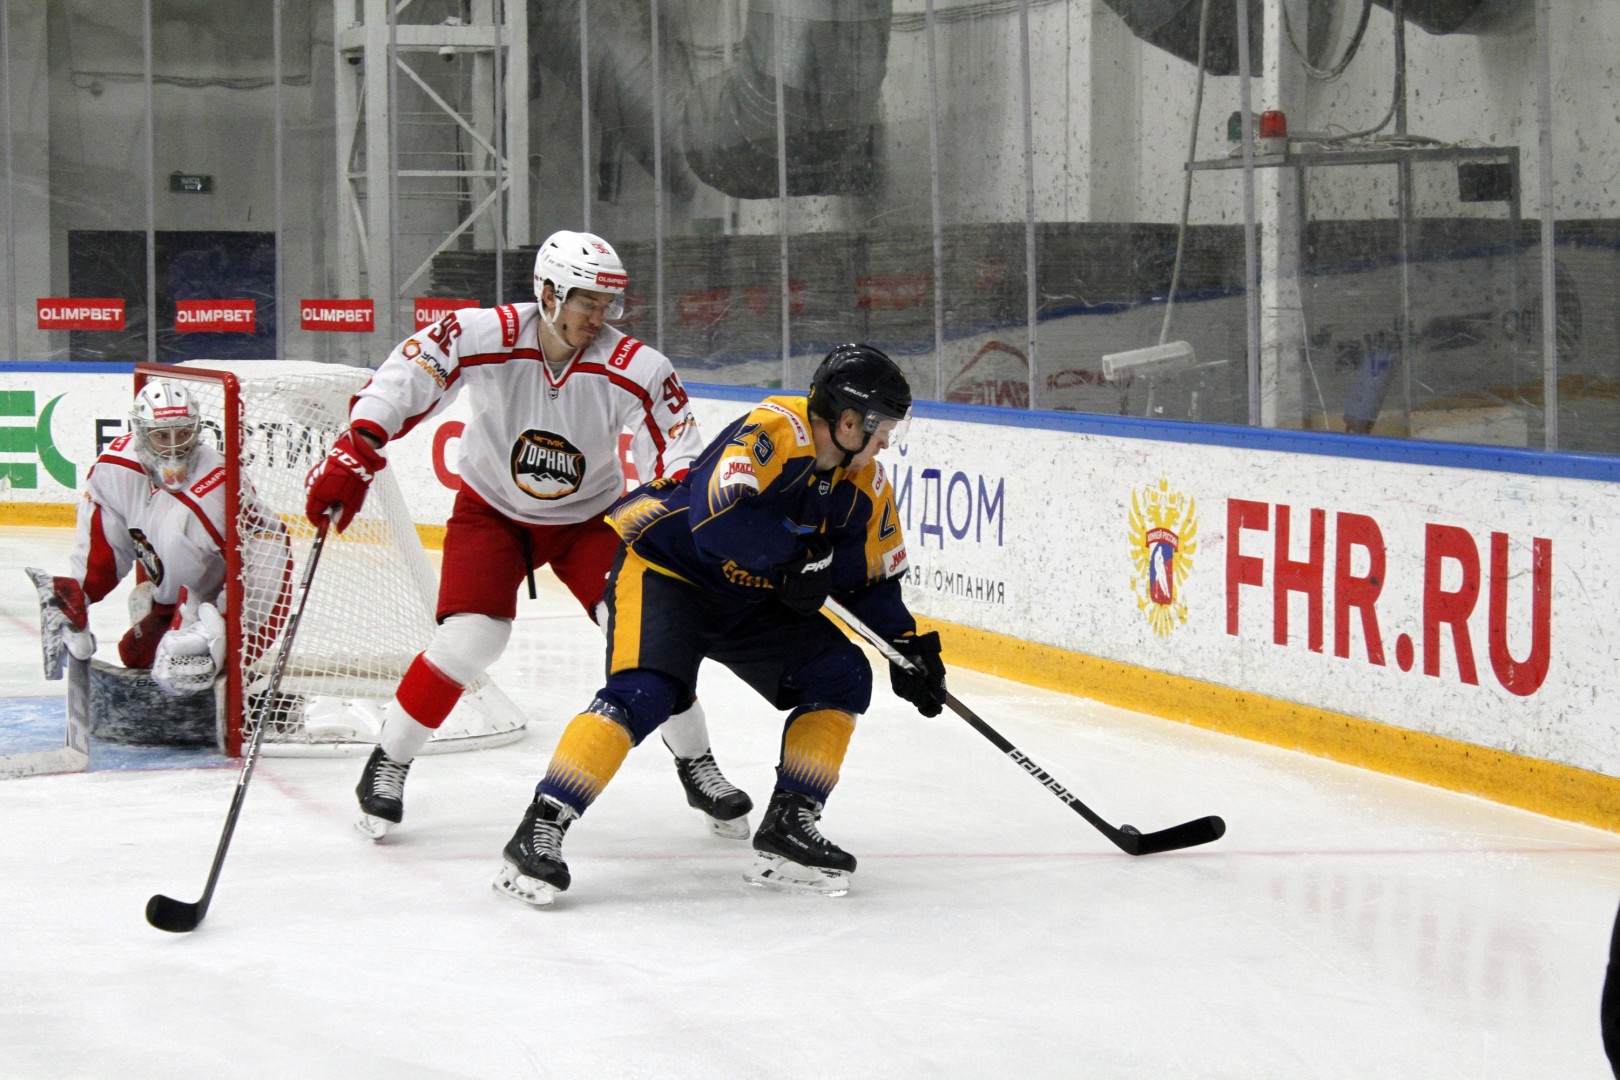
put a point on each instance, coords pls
(486, 331)
(117, 475)
(635, 359)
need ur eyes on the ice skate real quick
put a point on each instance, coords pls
(534, 871)
(791, 854)
(707, 790)
(382, 794)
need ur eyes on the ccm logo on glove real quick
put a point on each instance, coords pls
(342, 479)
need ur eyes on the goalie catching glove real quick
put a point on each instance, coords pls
(924, 684)
(64, 621)
(341, 481)
(190, 655)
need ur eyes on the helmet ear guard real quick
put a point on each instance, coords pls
(578, 260)
(165, 422)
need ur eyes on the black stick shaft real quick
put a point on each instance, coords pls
(177, 916)
(1188, 834)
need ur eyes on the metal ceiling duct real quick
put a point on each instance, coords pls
(1172, 25)
(834, 55)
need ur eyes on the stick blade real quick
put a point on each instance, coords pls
(1188, 834)
(175, 916)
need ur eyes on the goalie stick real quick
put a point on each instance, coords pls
(178, 916)
(1127, 838)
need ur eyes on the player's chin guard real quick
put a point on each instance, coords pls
(165, 422)
(863, 378)
(579, 260)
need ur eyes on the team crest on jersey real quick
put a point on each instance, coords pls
(546, 465)
(147, 556)
(1164, 539)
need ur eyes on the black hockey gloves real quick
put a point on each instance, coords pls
(925, 687)
(803, 584)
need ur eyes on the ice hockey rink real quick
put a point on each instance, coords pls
(1349, 925)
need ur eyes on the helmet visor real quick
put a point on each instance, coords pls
(607, 306)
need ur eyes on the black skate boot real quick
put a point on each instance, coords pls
(708, 790)
(382, 794)
(791, 853)
(534, 871)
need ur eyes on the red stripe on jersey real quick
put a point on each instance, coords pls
(108, 459)
(478, 359)
(639, 392)
(202, 517)
(101, 568)
(411, 422)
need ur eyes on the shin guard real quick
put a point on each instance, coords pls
(813, 747)
(590, 752)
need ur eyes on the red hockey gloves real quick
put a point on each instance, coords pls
(803, 584)
(342, 479)
(64, 618)
(67, 596)
(924, 687)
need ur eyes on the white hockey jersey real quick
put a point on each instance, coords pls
(540, 448)
(177, 537)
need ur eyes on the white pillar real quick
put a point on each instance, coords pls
(1282, 355)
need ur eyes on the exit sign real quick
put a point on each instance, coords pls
(191, 183)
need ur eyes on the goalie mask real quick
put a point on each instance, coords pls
(165, 423)
(577, 260)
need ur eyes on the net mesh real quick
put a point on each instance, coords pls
(371, 600)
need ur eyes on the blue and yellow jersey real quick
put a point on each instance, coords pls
(742, 512)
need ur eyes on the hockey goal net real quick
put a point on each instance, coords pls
(371, 603)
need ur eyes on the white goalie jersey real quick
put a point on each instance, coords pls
(177, 537)
(541, 447)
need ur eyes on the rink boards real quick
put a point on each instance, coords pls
(1435, 611)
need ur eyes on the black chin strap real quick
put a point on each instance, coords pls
(849, 455)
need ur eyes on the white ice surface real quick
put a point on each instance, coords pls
(1348, 926)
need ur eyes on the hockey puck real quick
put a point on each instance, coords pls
(1131, 830)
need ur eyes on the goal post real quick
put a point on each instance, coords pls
(370, 609)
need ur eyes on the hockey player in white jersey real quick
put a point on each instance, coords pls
(156, 497)
(553, 386)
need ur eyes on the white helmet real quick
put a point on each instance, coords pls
(165, 422)
(578, 260)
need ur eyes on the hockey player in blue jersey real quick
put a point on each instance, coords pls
(787, 506)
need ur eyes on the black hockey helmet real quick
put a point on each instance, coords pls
(863, 378)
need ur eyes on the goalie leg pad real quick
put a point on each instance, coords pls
(128, 707)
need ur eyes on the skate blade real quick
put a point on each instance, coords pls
(532, 891)
(735, 829)
(374, 827)
(775, 872)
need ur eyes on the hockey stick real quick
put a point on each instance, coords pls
(1126, 837)
(177, 916)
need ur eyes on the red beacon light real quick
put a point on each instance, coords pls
(1272, 136)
